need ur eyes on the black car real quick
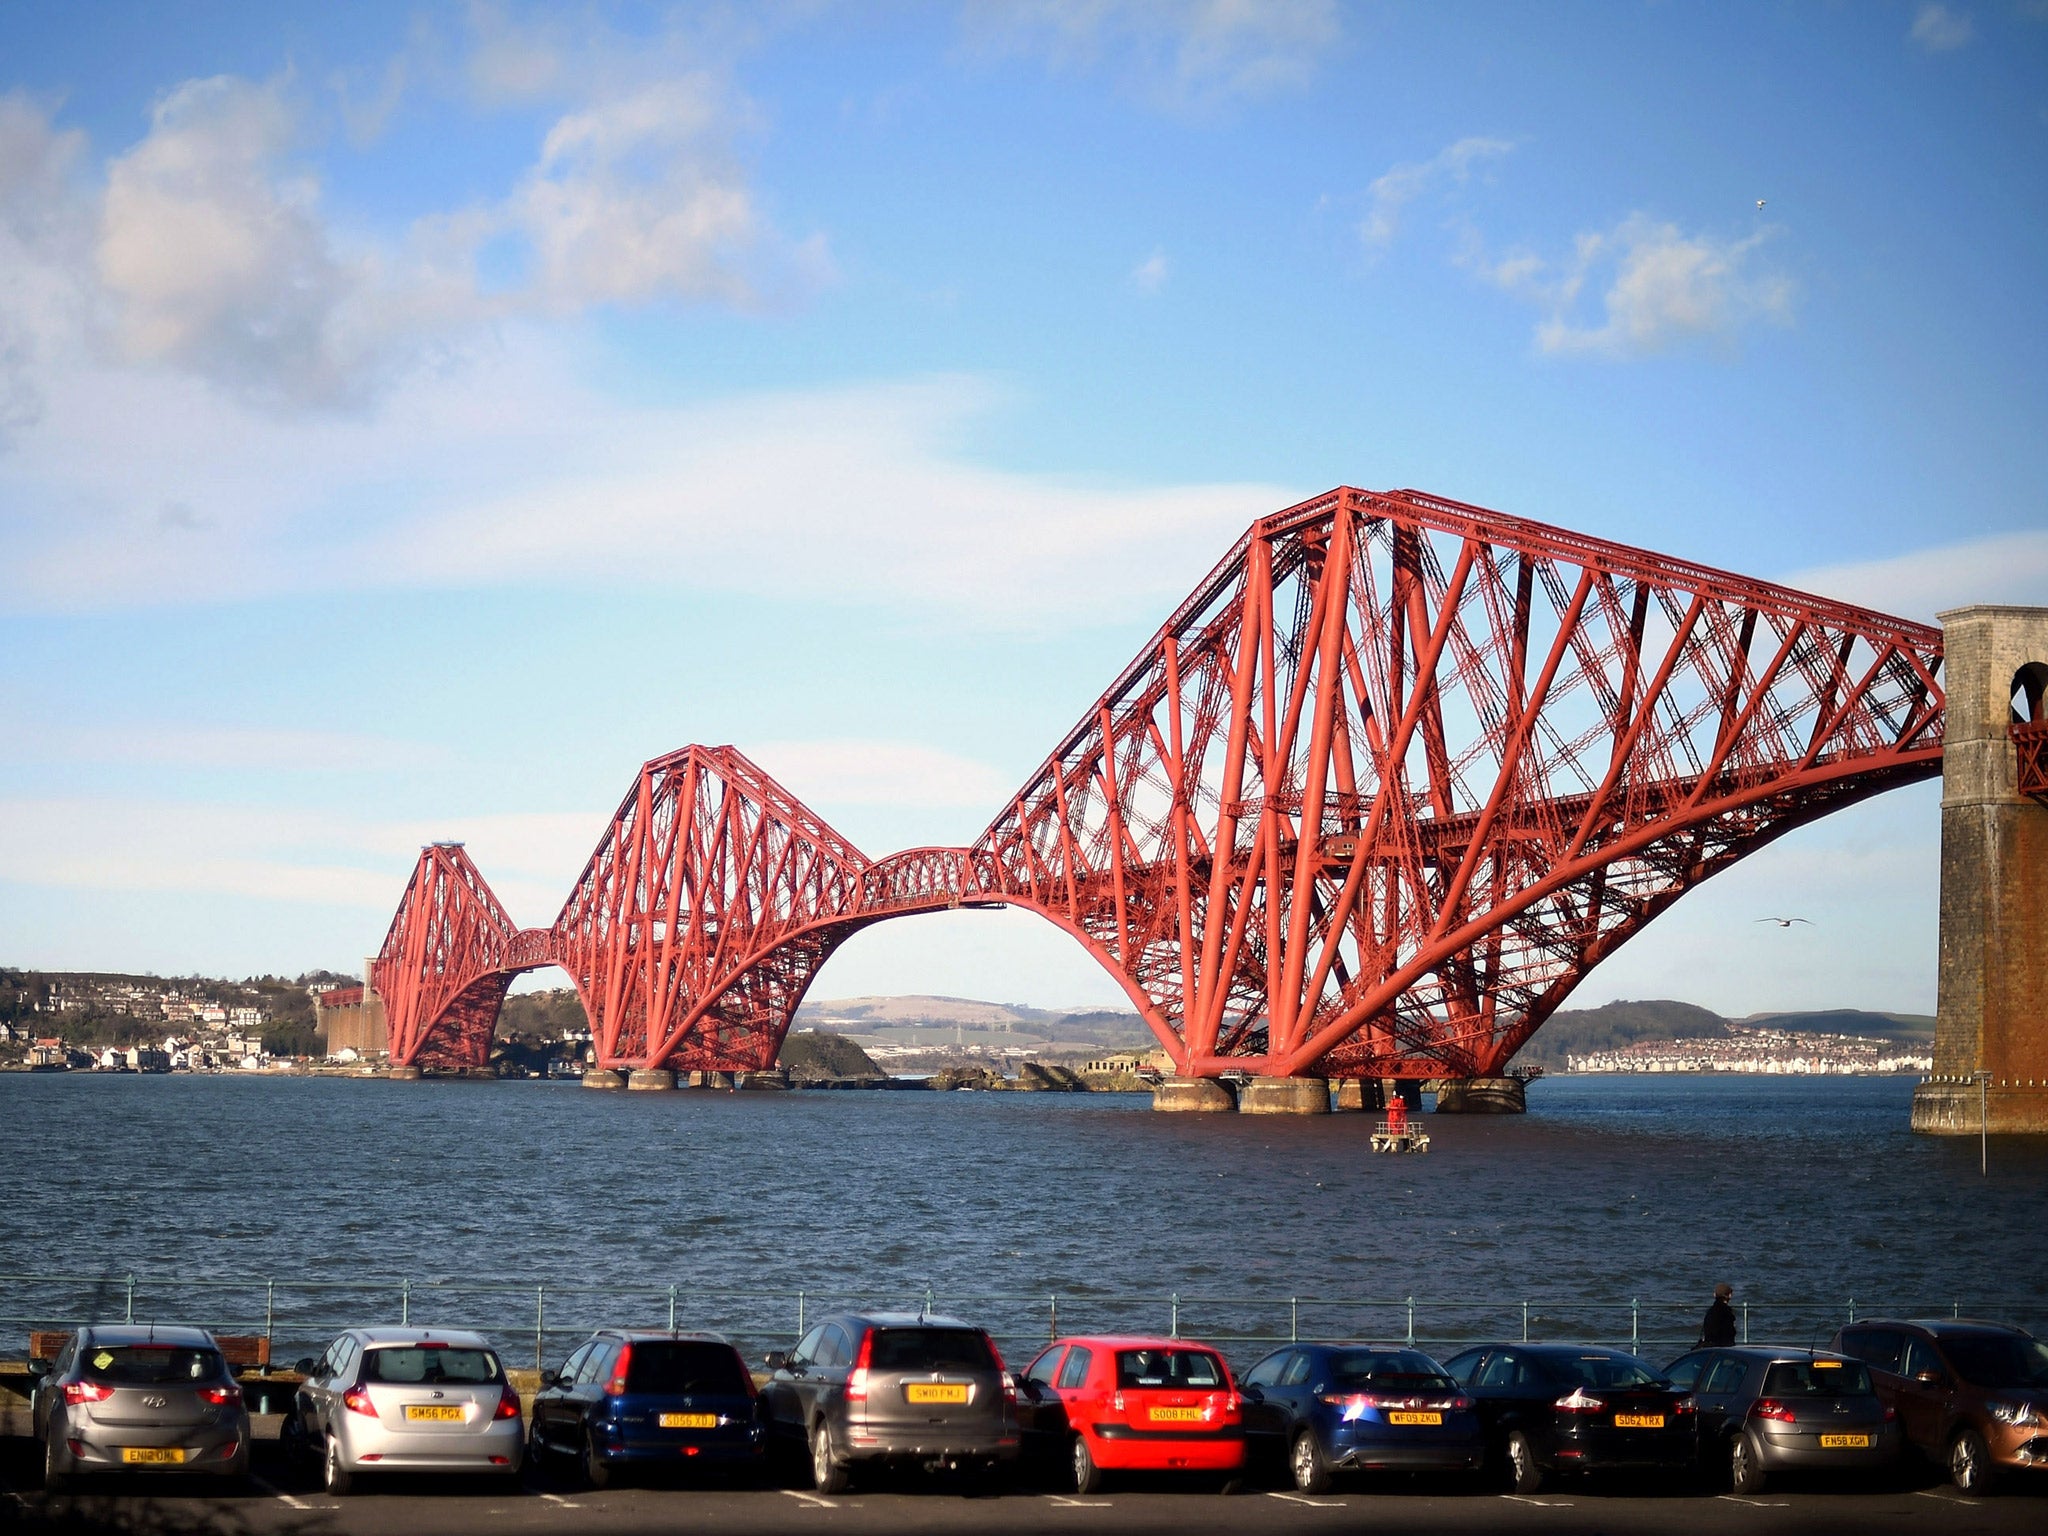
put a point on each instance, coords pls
(1765, 1410)
(642, 1398)
(866, 1388)
(1321, 1409)
(1552, 1408)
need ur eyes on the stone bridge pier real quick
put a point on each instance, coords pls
(1993, 991)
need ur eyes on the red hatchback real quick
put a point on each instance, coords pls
(1103, 1404)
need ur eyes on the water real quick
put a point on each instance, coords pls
(1803, 1193)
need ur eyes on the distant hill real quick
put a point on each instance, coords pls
(1847, 1021)
(1571, 1031)
(871, 1016)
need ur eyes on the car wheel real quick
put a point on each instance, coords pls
(337, 1479)
(595, 1473)
(827, 1474)
(1969, 1461)
(1745, 1467)
(1525, 1474)
(1087, 1475)
(1305, 1461)
(54, 1480)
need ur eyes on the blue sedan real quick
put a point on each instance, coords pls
(1329, 1408)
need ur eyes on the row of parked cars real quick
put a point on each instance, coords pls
(867, 1389)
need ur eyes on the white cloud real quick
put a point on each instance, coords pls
(1662, 288)
(1186, 53)
(1150, 274)
(2003, 568)
(1941, 30)
(1394, 191)
(855, 771)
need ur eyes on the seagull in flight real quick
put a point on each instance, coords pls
(1786, 922)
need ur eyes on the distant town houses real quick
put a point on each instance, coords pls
(1765, 1052)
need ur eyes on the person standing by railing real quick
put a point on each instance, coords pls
(1718, 1328)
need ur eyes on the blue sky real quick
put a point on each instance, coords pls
(413, 417)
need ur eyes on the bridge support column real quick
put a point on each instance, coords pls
(1358, 1095)
(1481, 1096)
(1992, 998)
(603, 1077)
(1284, 1096)
(1193, 1095)
(404, 1074)
(650, 1079)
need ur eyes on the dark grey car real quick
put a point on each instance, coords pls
(133, 1398)
(866, 1388)
(1765, 1410)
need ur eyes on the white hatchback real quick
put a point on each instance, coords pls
(406, 1400)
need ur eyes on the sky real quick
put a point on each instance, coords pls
(413, 417)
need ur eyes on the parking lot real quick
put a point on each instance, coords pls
(282, 1498)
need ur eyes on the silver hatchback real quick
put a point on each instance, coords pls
(406, 1400)
(135, 1398)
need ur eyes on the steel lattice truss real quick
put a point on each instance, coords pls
(1371, 803)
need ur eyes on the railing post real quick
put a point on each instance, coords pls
(671, 1309)
(130, 1317)
(405, 1303)
(1745, 1322)
(540, 1321)
(927, 1298)
(799, 1314)
(1635, 1324)
(1525, 1322)
(1852, 1309)
(1411, 1320)
(1294, 1319)
(1053, 1311)
(1173, 1327)
(269, 1309)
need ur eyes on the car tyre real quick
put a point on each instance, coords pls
(596, 1475)
(828, 1475)
(1969, 1462)
(1745, 1467)
(1525, 1473)
(54, 1481)
(1307, 1464)
(1087, 1475)
(336, 1477)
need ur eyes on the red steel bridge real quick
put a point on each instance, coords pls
(1375, 798)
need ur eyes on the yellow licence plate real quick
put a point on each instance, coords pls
(936, 1392)
(153, 1455)
(1176, 1415)
(689, 1421)
(433, 1413)
(1415, 1418)
(1639, 1421)
(1845, 1442)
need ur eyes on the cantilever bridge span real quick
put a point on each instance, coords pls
(1374, 799)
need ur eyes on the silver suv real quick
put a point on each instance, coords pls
(405, 1400)
(892, 1386)
(136, 1398)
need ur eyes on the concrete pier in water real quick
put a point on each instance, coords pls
(1481, 1096)
(1193, 1095)
(603, 1077)
(650, 1080)
(1284, 1096)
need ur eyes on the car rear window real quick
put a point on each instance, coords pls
(930, 1349)
(1816, 1378)
(682, 1367)
(1387, 1368)
(149, 1365)
(1998, 1360)
(1591, 1370)
(1186, 1368)
(407, 1364)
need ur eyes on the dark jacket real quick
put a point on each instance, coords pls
(1719, 1328)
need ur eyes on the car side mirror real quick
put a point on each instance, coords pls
(1251, 1394)
(38, 1368)
(550, 1377)
(776, 1359)
(305, 1366)
(1932, 1378)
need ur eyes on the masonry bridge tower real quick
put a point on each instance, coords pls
(1991, 1035)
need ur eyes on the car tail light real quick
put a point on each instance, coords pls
(1890, 1413)
(1117, 1402)
(1232, 1404)
(86, 1392)
(1685, 1405)
(617, 1385)
(501, 1461)
(857, 1380)
(508, 1404)
(1459, 1405)
(1771, 1408)
(1009, 1388)
(222, 1397)
(356, 1400)
(1579, 1400)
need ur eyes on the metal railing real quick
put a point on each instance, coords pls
(544, 1319)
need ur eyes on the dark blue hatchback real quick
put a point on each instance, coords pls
(627, 1398)
(1329, 1408)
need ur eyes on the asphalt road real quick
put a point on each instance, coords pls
(282, 1498)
